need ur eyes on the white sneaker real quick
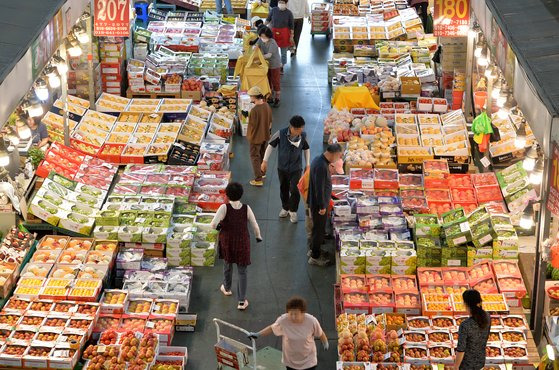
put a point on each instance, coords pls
(242, 305)
(225, 292)
(283, 213)
(293, 217)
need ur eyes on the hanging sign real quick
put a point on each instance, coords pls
(553, 194)
(451, 18)
(112, 18)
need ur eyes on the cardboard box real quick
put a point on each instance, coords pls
(411, 86)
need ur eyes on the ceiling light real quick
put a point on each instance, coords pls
(81, 35)
(527, 218)
(41, 89)
(537, 175)
(74, 49)
(60, 64)
(52, 75)
(520, 140)
(33, 107)
(24, 132)
(12, 136)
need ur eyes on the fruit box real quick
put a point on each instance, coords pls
(385, 178)
(506, 268)
(485, 285)
(404, 283)
(515, 353)
(441, 353)
(512, 286)
(344, 365)
(416, 354)
(353, 282)
(407, 302)
(356, 302)
(381, 301)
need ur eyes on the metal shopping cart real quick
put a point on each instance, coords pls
(232, 354)
(321, 19)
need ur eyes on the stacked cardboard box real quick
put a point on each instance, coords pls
(113, 55)
(78, 74)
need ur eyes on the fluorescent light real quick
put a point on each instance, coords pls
(527, 218)
(537, 175)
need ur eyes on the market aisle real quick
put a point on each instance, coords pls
(279, 265)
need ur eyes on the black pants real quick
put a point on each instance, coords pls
(310, 368)
(297, 29)
(289, 193)
(318, 231)
(422, 7)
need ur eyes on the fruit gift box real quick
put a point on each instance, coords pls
(416, 354)
(441, 353)
(381, 301)
(113, 301)
(515, 353)
(407, 302)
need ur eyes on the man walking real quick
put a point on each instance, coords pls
(300, 10)
(258, 132)
(320, 193)
(291, 143)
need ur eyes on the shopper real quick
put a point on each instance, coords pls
(232, 220)
(280, 19)
(320, 193)
(421, 9)
(219, 6)
(336, 168)
(291, 143)
(300, 10)
(39, 133)
(271, 53)
(298, 330)
(472, 334)
(258, 132)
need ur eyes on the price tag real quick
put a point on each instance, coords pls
(368, 184)
(401, 340)
(485, 239)
(101, 349)
(150, 324)
(485, 162)
(460, 240)
(464, 227)
(387, 355)
(370, 319)
(73, 309)
(62, 353)
(62, 338)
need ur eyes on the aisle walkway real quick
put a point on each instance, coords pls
(279, 265)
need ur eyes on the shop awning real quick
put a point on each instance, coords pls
(21, 22)
(532, 31)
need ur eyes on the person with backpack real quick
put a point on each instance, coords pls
(292, 145)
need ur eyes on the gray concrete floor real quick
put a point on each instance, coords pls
(279, 265)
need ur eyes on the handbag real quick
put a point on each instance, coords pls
(255, 73)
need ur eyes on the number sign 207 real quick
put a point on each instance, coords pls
(112, 18)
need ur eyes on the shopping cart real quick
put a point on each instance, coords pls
(232, 354)
(321, 19)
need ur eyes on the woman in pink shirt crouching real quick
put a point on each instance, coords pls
(298, 330)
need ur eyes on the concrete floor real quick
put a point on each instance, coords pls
(279, 265)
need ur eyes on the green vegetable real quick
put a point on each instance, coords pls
(548, 271)
(555, 274)
(36, 155)
(52, 199)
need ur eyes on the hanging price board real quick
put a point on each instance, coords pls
(553, 195)
(451, 18)
(112, 18)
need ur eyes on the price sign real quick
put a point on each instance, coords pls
(451, 18)
(553, 195)
(112, 18)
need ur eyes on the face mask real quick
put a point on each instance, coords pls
(282, 6)
(264, 39)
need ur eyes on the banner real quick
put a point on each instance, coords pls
(451, 18)
(553, 195)
(44, 46)
(112, 18)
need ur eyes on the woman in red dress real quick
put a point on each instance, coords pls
(232, 220)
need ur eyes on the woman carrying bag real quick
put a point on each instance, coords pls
(270, 51)
(282, 24)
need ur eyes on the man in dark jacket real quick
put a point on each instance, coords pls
(320, 192)
(291, 143)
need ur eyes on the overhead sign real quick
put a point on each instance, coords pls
(553, 195)
(451, 18)
(112, 18)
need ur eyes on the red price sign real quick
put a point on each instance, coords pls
(112, 18)
(553, 195)
(451, 18)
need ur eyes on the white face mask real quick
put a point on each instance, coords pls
(282, 6)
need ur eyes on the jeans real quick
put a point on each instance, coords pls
(284, 55)
(318, 231)
(228, 279)
(289, 193)
(298, 28)
(219, 6)
(256, 156)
